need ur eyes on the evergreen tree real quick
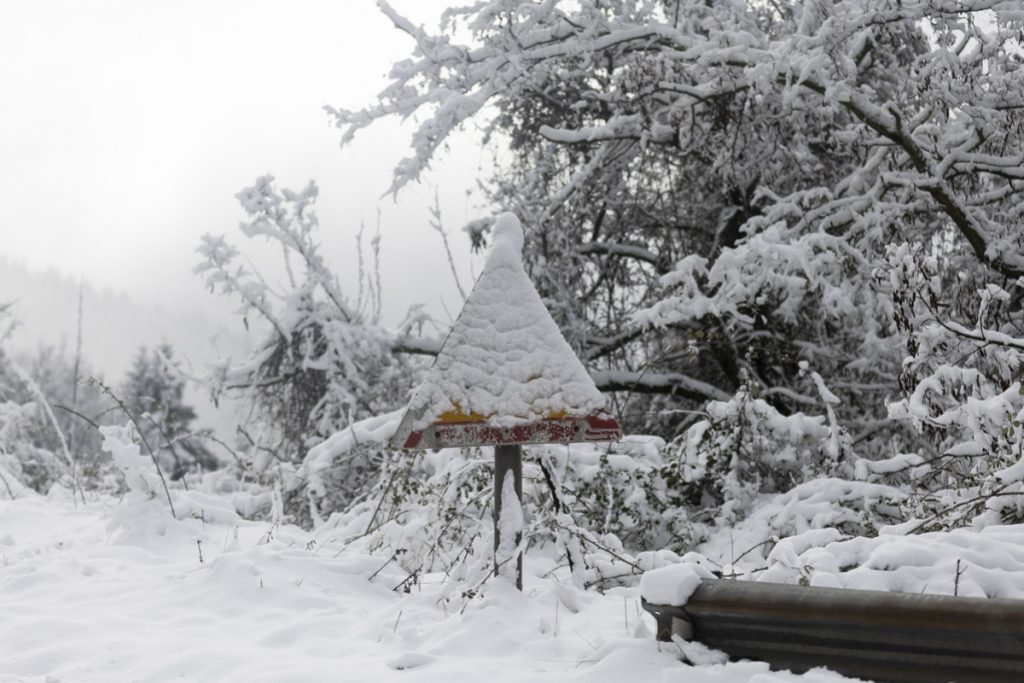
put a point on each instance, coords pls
(155, 394)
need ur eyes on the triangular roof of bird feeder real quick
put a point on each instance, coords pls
(505, 374)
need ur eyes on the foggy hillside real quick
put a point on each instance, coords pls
(114, 326)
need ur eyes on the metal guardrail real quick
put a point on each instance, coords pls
(884, 637)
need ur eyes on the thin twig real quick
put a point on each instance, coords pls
(435, 223)
(7, 485)
(109, 392)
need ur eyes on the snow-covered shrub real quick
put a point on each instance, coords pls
(432, 511)
(963, 389)
(607, 511)
(34, 438)
(745, 447)
(63, 380)
(426, 511)
(21, 463)
(325, 361)
(141, 476)
(151, 504)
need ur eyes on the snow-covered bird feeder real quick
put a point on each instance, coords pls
(505, 376)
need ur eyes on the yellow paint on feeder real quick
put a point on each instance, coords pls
(456, 415)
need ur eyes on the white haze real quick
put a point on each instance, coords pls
(126, 127)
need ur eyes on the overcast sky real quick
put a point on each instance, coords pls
(126, 127)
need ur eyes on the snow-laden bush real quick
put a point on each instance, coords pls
(325, 360)
(68, 407)
(21, 464)
(963, 390)
(745, 447)
(151, 504)
(608, 511)
(34, 450)
(143, 479)
(432, 511)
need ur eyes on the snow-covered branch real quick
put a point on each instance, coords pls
(656, 383)
(623, 251)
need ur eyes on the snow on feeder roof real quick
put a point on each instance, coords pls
(505, 374)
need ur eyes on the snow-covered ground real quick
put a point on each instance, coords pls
(90, 593)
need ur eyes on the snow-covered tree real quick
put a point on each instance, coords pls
(155, 394)
(812, 207)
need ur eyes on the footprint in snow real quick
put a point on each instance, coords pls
(410, 660)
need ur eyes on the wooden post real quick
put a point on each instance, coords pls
(508, 459)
